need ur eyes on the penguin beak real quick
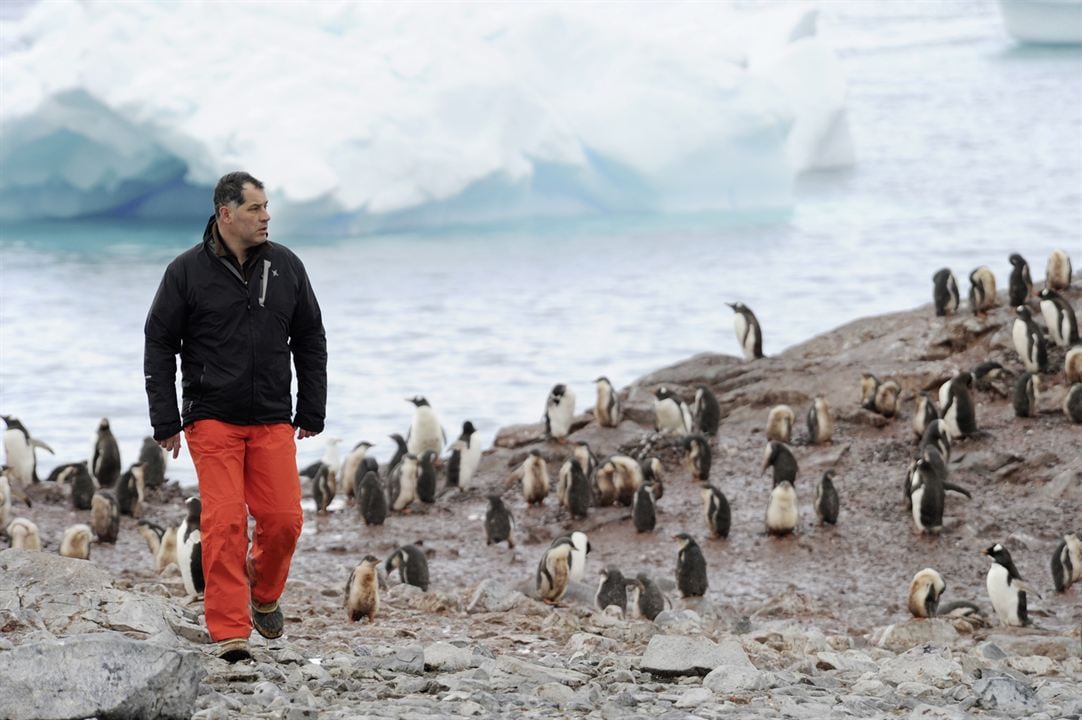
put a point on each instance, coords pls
(766, 464)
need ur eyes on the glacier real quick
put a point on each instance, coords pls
(363, 116)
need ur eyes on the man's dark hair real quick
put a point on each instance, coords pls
(230, 189)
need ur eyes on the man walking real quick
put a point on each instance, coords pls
(235, 307)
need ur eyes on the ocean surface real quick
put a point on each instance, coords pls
(969, 147)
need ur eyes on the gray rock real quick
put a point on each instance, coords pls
(671, 655)
(679, 622)
(1006, 695)
(1055, 647)
(447, 657)
(849, 661)
(990, 651)
(265, 693)
(904, 636)
(734, 679)
(1033, 665)
(927, 664)
(555, 692)
(491, 596)
(539, 673)
(930, 712)
(102, 674)
(408, 659)
(694, 698)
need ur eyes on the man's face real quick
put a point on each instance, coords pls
(248, 221)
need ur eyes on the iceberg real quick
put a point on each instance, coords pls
(364, 115)
(1045, 22)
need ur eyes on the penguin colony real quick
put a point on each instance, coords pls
(586, 482)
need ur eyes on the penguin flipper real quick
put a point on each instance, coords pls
(1026, 587)
(34, 442)
(958, 489)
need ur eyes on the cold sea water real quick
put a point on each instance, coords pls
(968, 146)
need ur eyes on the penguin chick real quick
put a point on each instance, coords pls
(924, 593)
(1029, 341)
(1066, 561)
(945, 292)
(1026, 393)
(924, 415)
(105, 516)
(553, 570)
(820, 422)
(586, 458)
(627, 477)
(779, 424)
(643, 513)
(697, 457)
(559, 412)
(411, 564)
(780, 457)
(573, 489)
(105, 456)
(653, 472)
(826, 499)
(370, 500)
(362, 590)
(1059, 317)
(76, 542)
(1072, 365)
(190, 548)
(498, 522)
(153, 459)
(748, 333)
(651, 601)
(989, 375)
(1020, 286)
(83, 486)
(607, 408)
(869, 384)
(534, 475)
(705, 411)
(351, 475)
(1072, 404)
(24, 534)
(782, 511)
(672, 416)
(612, 590)
(982, 290)
(1006, 588)
(161, 542)
(886, 398)
(465, 457)
(131, 491)
(1058, 271)
(402, 484)
(425, 432)
(691, 579)
(323, 488)
(716, 510)
(426, 478)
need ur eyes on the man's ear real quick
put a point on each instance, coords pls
(225, 214)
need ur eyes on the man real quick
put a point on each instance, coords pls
(234, 308)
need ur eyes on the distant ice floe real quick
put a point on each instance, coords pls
(364, 115)
(1051, 22)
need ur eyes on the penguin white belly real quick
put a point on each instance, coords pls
(950, 417)
(1052, 320)
(471, 458)
(917, 496)
(19, 455)
(425, 433)
(185, 549)
(560, 417)
(577, 570)
(1004, 597)
(781, 513)
(670, 419)
(740, 325)
(944, 394)
(1020, 335)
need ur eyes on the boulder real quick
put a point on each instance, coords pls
(671, 655)
(491, 596)
(1006, 695)
(446, 657)
(903, 636)
(539, 673)
(927, 664)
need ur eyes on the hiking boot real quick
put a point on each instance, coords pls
(267, 619)
(234, 650)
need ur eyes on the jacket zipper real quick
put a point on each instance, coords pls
(251, 336)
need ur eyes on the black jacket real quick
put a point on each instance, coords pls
(234, 338)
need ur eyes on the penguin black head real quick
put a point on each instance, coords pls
(990, 370)
(1048, 294)
(1023, 312)
(737, 306)
(603, 379)
(558, 391)
(535, 453)
(468, 429)
(399, 440)
(685, 540)
(363, 444)
(195, 509)
(398, 557)
(428, 456)
(1017, 260)
(104, 424)
(612, 572)
(370, 560)
(773, 450)
(828, 478)
(10, 420)
(941, 275)
(999, 554)
(664, 393)
(417, 400)
(495, 502)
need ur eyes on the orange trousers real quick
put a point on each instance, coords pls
(242, 469)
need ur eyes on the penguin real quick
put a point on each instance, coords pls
(105, 456)
(351, 469)
(105, 516)
(161, 542)
(1058, 271)
(534, 475)
(131, 491)
(868, 385)
(580, 548)
(1029, 341)
(924, 593)
(748, 333)
(585, 456)
(879, 397)
(362, 590)
(76, 542)
(426, 478)
(371, 500)
(820, 422)
(779, 424)
(936, 464)
(1021, 286)
(10, 490)
(605, 484)
(1072, 365)
(425, 431)
(153, 458)
(706, 411)
(938, 435)
(697, 457)
(402, 484)
(323, 488)
(83, 486)
(927, 491)
(957, 408)
(553, 570)
(717, 512)
(19, 446)
(924, 415)
(399, 452)
(1026, 392)
(465, 457)
(826, 499)
(1059, 317)
(653, 472)
(964, 610)
(945, 292)
(499, 522)
(691, 578)
(411, 564)
(671, 414)
(1072, 404)
(559, 412)
(607, 408)
(611, 590)
(625, 474)
(988, 377)
(643, 513)
(650, 600)
(982, 290)
(1066, 561)
(1006, 588)
(573, 489)
(782, 512)
(778, 456)
(24, 534)
(190, 548)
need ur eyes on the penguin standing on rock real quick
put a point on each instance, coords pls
(573, 489)
(653, 473)
(153, 458)
(691, 578)
(161, 542)
(982, 290)
(24, 534)
(19, 448)
(402, 485)
(76, 542)
(9, 490)
(498, 522)
(958, 410)
(465, 457)
(925, 414)
(748, 332)
(1072, 404)
(945, 293)
(1058, 271)
(1026, 392)
(717, 512)
(105, 516)
(534, 475)
(351, 466)
(1006, 588)
(937, 435)
(362, 590)
(778, 456)
(190, 548)
(782, 511)
(1021, 285)
(927, 492)
(105, 458)
(323, 488)
(649, 598)
(643, 512)
(826, 499)
(586, 458)
(706, 411)
(612, 590)
(820, 422)
(371, 500)
(131, 491)
(559, 412)
(879, 397)
(625, 475)
(1059, 317)
(411, 564)
(1029, 341)
(607, 408)
(697, 457)
(425, 430)
(672, 416)
(553, 570)
(83, 486)
(924, 593)
(779, 424)
(1066, 561)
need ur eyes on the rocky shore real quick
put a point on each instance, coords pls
(811, 626)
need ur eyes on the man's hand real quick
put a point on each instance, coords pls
(302, 433)
(171, 444)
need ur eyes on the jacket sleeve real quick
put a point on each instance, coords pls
(163, 331)
(308, 343)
